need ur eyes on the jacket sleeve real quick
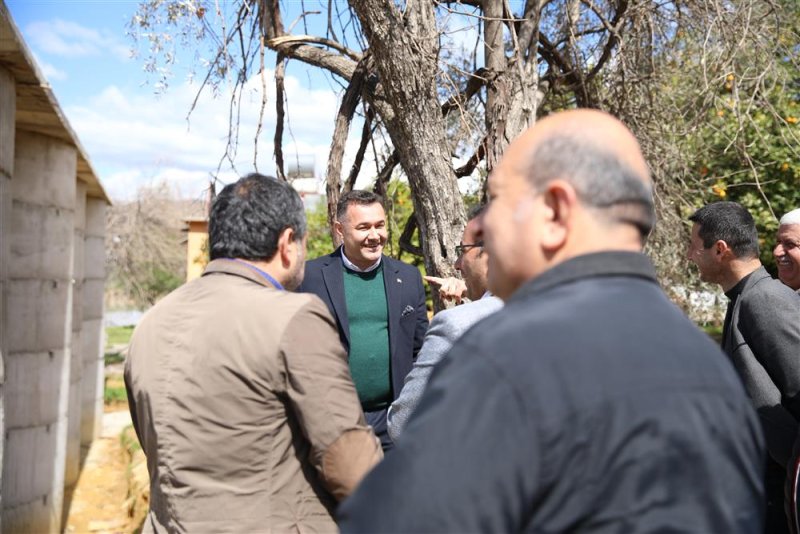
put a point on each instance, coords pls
(322, 395)
(421, 315)
(437, 342)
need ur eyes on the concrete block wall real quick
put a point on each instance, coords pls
(7, 112)
(94, 278)
(73, 457)
(39, 332)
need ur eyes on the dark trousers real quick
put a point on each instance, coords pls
(777, 521)
(377, 420)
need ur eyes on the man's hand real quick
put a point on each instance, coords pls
(452, 289)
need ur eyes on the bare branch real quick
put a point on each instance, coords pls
(280, 95)
(283, 40)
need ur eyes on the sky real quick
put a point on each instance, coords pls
(137, 135)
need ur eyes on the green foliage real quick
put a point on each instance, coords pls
(319, 236)
(129, 441)
(752, 155)
(114, 391)
(118, 335)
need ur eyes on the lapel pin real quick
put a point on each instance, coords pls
(399, 281)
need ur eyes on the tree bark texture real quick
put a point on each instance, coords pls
(403, 45)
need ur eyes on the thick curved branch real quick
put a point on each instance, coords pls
(366, 135)
(472, 162)
(272, 28)
(305, 39)
(386, 173)
(408, 234)
(344, 117)
(476, 80)
(280, 94)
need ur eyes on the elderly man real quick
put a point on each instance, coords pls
(589, 403)
(761, 333)
(787, 249)
(378, 303)
(239, 389)
(449, 325)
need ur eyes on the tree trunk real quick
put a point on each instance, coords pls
(403, 46)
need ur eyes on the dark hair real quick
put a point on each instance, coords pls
(358, 197)
(600, 178)
(729, 222)
(249, 215)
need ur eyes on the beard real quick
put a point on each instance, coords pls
(295, 276)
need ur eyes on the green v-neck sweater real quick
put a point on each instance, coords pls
(367, 315)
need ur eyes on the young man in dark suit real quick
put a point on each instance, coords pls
(761, 333)
(378, 303)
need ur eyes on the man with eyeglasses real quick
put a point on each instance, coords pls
(589, 403)
(449, 325)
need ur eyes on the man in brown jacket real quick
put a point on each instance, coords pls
(240, 390)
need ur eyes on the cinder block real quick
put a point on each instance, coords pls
(42, 315)
(92, 401)
(92, 341)
(29, 459)
(79, 254)
(73, 452)
(95, 217)
(41, 242)
(77, 305)
(32, 389)
(94, 257)
(93, 298)
(33, 516)
(45, 170)
(8, 97)
(80, 206)
(76, 356)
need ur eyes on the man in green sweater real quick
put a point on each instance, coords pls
(378, 303)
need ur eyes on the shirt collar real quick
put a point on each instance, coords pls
(353, 267)
(736, 290)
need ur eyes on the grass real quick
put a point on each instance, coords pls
(116, 337)
(114, 391)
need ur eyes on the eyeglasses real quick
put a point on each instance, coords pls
(461, 249)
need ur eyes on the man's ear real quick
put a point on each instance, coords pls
(722, 250)
(287, 247)
(559, 203)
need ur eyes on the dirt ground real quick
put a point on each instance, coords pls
(98, 503)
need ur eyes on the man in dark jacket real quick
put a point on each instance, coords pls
(589, 403)
(378, 303)
(761, 333)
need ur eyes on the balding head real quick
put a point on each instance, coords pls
(574, 183)
(598, 155)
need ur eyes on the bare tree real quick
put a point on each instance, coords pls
(400, 72)
(145, 248)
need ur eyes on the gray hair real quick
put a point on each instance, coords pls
(600, 178)
(793, 217)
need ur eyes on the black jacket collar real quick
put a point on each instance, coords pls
(614, 263)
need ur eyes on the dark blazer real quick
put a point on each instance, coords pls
(405, 298)
(762, 337)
